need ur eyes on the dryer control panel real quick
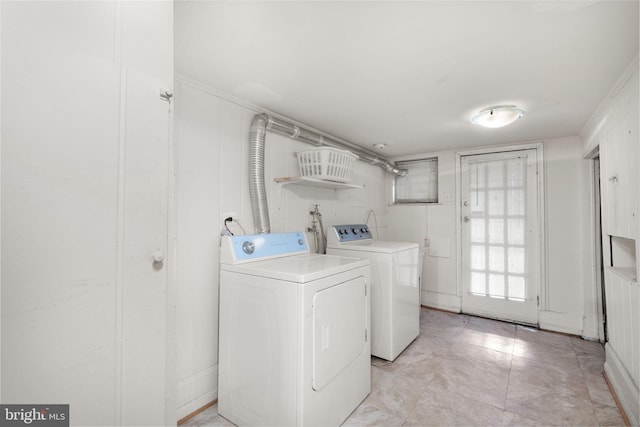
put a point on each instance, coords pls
(351, 232)
(257, 247)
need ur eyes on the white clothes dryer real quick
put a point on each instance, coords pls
(395, 286)
(294, 345)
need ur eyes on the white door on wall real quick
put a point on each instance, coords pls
(146, 375)
(85, 187)
(500, 255)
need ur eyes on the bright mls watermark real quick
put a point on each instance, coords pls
(34, 415)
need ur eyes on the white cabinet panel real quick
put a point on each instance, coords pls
(85, 169)
(145, 190)
(59, 221)
(623, 306)
(619, 178)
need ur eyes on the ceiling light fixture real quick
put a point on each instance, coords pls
(499, 116)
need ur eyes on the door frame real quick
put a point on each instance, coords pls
(542, 290)
(601, 308)
(595, 306)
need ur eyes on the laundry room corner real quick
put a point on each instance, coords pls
(212, 140)
(433, 227)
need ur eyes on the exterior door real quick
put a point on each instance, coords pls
(500, 243)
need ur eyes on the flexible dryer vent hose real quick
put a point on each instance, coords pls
(257, 189)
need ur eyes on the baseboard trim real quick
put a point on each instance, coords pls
(196, 412)
(623, 386)
(446, 302)
(196, 391)
(617, 400)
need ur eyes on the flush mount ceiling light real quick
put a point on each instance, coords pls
(499, 116)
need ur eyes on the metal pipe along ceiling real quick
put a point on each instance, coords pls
(257, 189)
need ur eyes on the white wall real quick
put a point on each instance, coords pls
(85, 146)
(613, 130)
(212, 179)
(436, 223)
(565, 175)
(562, 293)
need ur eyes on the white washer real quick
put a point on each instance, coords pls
(395, 286)
(294, 346)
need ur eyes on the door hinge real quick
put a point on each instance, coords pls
(365, 335)
(538, 297)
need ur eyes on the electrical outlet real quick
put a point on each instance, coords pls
(233, 215)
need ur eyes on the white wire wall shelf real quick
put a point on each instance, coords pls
(315, 182)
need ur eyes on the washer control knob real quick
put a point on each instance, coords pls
(248, 247)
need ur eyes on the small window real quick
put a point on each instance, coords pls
(420, 185)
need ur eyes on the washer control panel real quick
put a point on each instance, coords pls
(256, 247)
(351, 232)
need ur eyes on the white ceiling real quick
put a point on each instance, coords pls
(412, 73)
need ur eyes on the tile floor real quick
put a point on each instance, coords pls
(464, 370)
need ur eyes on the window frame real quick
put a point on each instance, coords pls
(430, 197)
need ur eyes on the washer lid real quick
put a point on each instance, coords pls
(374, 246)
(298, 268)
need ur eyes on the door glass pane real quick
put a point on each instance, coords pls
(516, 260)
(476, 175)
(516, 202)
(515, 172)
(496, 174)
(477, 202)
(478, 284)
(496, 230)
(496, 258)
(515, 231)
(477, 257)
(496, 285)
(477, 230)
(496, 202)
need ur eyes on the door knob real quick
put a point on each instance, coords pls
(465, 218)
(158, 256)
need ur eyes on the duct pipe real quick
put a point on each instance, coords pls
(257, 135)
(257, 188)
(296, 132)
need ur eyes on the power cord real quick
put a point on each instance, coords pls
(375, 219)
(227, 231)
(230, 219)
